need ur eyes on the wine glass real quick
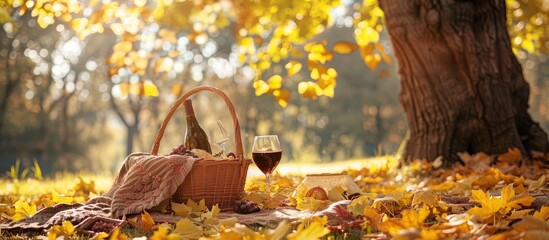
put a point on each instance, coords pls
(219, 135)
(266, 154)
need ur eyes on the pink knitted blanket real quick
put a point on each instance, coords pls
(146, 180)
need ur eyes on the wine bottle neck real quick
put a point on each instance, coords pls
(189, 111)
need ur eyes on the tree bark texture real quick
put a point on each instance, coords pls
(462, 87)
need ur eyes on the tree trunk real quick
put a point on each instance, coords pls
(462, 87)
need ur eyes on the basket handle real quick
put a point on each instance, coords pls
(236, 125)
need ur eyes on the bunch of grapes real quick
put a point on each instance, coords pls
(181, 150)
(103, 226)
(245, 207)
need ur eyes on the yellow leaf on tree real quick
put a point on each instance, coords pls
(282, 96)
(366, 35)
(149, 89)
(314, 231)
(293, 67)
(176, 89)
(309, 89)
(275, 82)
(261, 87)
(345, 47)
(123, 47)
(372, 60)
(168, 35)
(23, 210)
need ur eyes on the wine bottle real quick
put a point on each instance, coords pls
(195, 137)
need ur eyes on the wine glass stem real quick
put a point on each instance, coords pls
(222, 145)
(268, 176)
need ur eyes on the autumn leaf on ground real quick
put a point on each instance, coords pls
(66, 230)
(162, 234)
(357, 205)
(45, 200)
(389, 204)
(315, 230)
(411, 219)
(143, 222)
(519, 214)
(373, 216)
(543, 213)
(478, 162)
(503, 204)
(23, 210)
(239, 231)
(210, 217)
(274, 201)
(187, 230)
(61, 198)
(100, 236)
(181, 209)
(535, 185)
(118, 235)
(197, 207)
(425, 197)
(85, 188)
(310, 204)
(533, 227)
(336, 194)
(280, 231)
(510, 158)
(6, 211)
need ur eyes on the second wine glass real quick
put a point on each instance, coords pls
(219, 135)
(266, 153)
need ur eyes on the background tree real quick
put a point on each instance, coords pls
(463, 88)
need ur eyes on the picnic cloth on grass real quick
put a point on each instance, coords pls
(146, 180)
(57, 214)
(143, 182)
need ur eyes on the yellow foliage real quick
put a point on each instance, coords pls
(144, 222)
(503, 204)
(65, 230)
(23, 210)
(314, 231)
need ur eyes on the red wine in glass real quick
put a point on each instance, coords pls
(266, 154)
(267, 161)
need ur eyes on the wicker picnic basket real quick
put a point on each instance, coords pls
(216, 181)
